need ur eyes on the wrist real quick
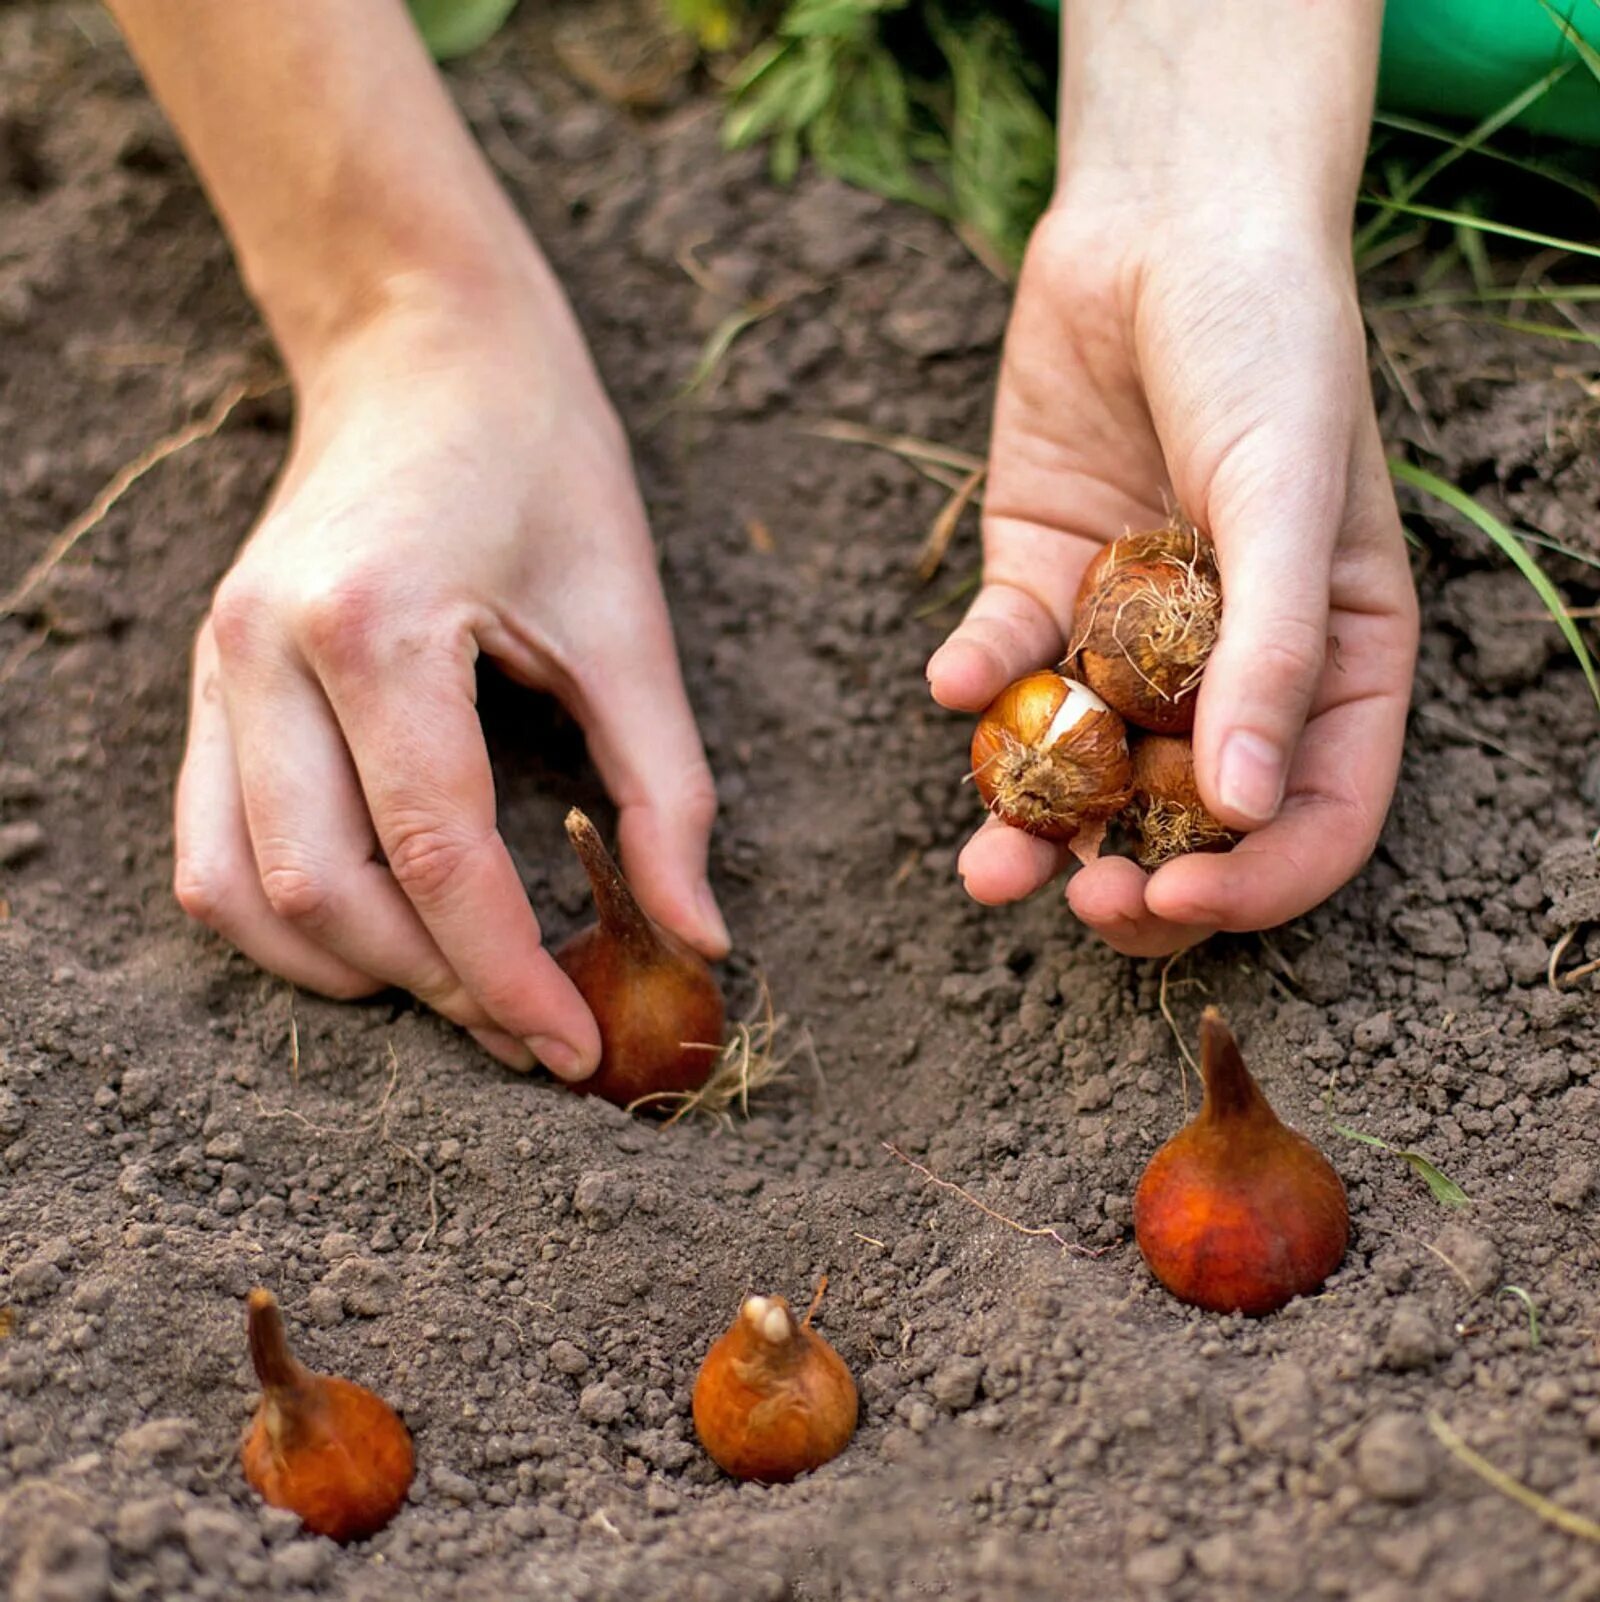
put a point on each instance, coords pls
(1243, 110)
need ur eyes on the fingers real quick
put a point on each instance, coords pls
(1110, 896)
(311, 837)
(643, 739)
(215, 874)
(1275, 516)
(1000, 864)
(1019, 619)
(1339, 789)
(403, 697)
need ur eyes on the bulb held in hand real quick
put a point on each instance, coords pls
(1167, 815)
(1050, 758)
(1148, 611)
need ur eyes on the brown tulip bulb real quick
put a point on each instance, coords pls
(1148, 610)
(322, 1447)
(1168, 817)
(1050, 758)
(656, 1001)
(1238, 1213)
(773, 1399)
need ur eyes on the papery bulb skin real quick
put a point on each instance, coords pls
(1238, 1213)
(1148, 611)
(657, 1003)
(773, 1399)
(325, 1448)
(1167, 815)
(1050, 758)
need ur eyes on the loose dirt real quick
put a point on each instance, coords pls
(532, 1277)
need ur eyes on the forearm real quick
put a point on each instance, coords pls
(340, 169)
(1219, 106)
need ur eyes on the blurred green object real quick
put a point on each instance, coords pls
(451, 28)
(1464, 58)
(1467, 58)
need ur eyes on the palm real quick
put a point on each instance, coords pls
(1130, 388)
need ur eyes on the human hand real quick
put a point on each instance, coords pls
(458, 484)
(1225, 375)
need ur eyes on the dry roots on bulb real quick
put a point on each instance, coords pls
(656, 1001)
(773, 1399)
(323, 1447)
(1050, 758)
(1147, 614)
(1238, 1213)
(1168, 816)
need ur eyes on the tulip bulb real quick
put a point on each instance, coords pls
(773, 1399)
(1050, 758)
(1148, 610)
(1168, 817)
(1238, 1213)
(656, 1001)
(322, 1447)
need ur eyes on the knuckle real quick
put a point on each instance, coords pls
(348, 987)
(1288, 652)
(297, 894)
(239, 611)
(425, 857)
(338, 619)
(700, 800)
(203, 889)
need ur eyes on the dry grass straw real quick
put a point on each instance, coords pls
(1551, 1512)
(1037, 1230)
(126, 477)
(752, 1057)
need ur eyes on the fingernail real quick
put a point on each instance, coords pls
(1251, 781)
(711, 918)
(556, 1055)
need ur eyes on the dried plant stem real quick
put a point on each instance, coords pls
(1553, 969)
(1036, 1230)
(749, 1060)
(126, 477)
(907, 446)
(931, 557)
(1551, 1512)
(1187, 1062)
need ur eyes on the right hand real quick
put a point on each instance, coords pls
(458, 484)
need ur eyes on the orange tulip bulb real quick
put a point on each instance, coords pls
(323, 1447)
(1238, 1213)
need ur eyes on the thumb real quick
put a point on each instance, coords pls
(642, 736)
(1274, 511)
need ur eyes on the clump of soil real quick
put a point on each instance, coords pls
(532, 1277)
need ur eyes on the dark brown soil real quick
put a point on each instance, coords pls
(531, 1276)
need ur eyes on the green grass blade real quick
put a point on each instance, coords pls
(1533, 1312)
(1483, 225)
(1419, 478)
(1591, 56)
(1521, 325)
(1444, 1189)
(1448, 136)
(1534, 297)
(1461, 146)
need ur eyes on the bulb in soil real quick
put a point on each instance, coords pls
(1050, 758)
(322, 1447)
(1167, 815)
(1148, 610)
(656, 1001)
(1238, 1213)
(773, 1399)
